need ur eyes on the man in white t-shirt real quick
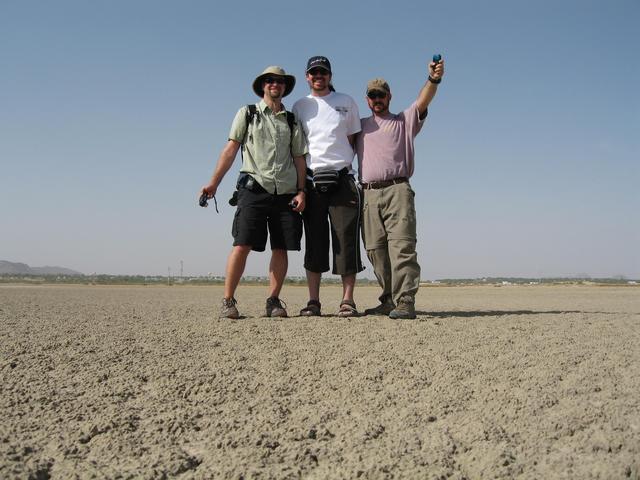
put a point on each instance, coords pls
(330, 121)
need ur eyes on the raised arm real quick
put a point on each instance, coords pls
(428, 91)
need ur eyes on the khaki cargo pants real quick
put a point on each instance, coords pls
(389, 234)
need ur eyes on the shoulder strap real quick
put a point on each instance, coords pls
(252, 111)
(291, 120)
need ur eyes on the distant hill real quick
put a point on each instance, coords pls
(24, 269)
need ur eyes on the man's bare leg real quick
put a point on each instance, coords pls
(235, 268)
(313, 282)
(277, 271)
(348, 284)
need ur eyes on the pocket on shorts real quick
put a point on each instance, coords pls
(355, 189)
(298, 226)
(234, 226)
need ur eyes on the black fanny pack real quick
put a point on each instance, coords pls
(245, 180)
(326, 180)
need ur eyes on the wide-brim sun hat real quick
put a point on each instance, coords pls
(289, 80)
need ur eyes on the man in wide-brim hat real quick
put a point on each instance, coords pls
(271, 188)
(278, 72)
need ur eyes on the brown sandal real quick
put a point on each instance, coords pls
(312, 309)
(348, 309)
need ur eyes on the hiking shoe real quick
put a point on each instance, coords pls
(275, 308)
(312, 309)
(229, 309)
(385, 307)
(405, 309)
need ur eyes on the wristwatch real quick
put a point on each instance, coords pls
(303, 189)
(433, 80)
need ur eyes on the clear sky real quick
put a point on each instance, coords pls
(113, 113)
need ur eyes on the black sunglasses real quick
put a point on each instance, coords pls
(278, 80)
(318, 71)
(375, 94)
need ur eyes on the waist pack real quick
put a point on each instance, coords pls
(245, 181)
(325, 181)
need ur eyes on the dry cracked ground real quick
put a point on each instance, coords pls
(531, 382)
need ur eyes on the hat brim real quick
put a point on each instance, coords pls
(289, 83)
(328, 70)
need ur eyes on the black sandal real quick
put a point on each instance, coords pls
(312, 309)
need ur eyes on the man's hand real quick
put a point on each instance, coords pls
(224, 164)
(436, 70)
(300, 199)
(210, 190)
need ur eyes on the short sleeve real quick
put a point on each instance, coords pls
(413, 124)
(354, 118)
(298, 141)
(239, 126)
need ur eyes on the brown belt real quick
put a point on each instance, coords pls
(384, 183)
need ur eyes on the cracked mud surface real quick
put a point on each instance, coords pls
(146, 382)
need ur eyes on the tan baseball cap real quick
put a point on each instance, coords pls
(379, 84)
(289, 80)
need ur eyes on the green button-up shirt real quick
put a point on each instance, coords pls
(268, 148)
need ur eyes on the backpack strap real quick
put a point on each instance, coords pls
(252, 111)
(291, 121)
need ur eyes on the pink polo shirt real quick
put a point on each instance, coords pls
(385, 145)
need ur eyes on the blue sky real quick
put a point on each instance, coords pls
(112, 116)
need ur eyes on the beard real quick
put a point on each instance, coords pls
(319, 85)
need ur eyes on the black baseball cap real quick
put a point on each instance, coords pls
(318, 62)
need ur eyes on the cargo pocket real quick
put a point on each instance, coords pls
(298, 227)
(363, 231)
(236, 219)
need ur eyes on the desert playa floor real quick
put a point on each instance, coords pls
(533, 382)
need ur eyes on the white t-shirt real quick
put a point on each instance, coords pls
(327, 122)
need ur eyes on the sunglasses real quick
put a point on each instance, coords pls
(375, 94)
(278, 80)
(318, 71)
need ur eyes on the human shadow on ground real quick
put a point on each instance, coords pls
(498, 313)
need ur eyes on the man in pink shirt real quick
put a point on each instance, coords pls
(386, 162)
